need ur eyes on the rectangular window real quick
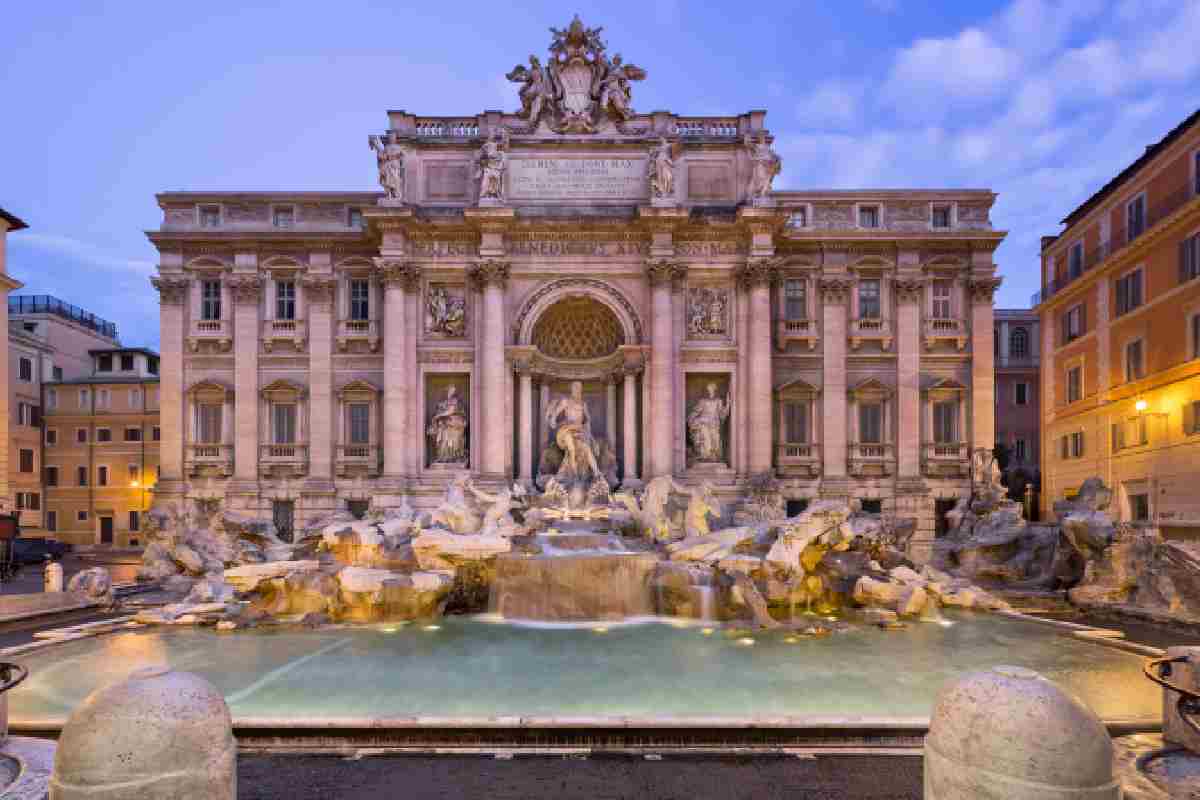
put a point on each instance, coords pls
(210, 216)
(868, 298)
(104, 363)
(51, 520)
(1075, 260)
(102, 475)
(360, 299)
(84, 399)
(1129, 291)
(795, 299)
(1021, 394)
(81, 476)
(1196, 336)
(941, 216)
(941, 299)
(51, 399)
(51, 437)
(133, 434)
(1189, 258)
(152, 365)
(285, 300)
(210, 300)
(1073, 324)
(360, 423)
(945, 422)
(283, 423)
(1135, 217)
(283, 217)
(26, 461)
(1077, 444)
(28, 501)
(1074, 384)
(1139, 507)
(156, 434)
(26, 370)
(868, 216)
(126, 362)
(1191, 417)
(798, 217)
(1020, 451)
(134, 473)
(102, 398)
(135, 398)
(870, 423)
(81, 435)
(355, 218)
(795, 423)
(103, 435)
(81, 516)
(57, 373)
(208, 423)
(134, 520)
(52, 476)
(1134, 369)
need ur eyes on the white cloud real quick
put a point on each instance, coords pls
(83, 252)
(969, 65)
(835, 103)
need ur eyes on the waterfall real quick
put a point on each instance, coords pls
(705, 599)
(573, 587)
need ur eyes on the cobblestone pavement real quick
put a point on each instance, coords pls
(595, 778)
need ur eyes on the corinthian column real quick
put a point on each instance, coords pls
(757, 276)
(525, 427)
(909, 292)
(983, 372)
(398, 278)
(492, 276)
(629, 406)
(661, 272)
(247, 292)
(833, 379)
(172, 294)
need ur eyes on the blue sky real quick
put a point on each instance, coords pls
(106, 103)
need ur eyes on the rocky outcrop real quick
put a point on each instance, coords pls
(438, 549)
(1140, 571)
(247, 578)
(375, 595)
(95, 583)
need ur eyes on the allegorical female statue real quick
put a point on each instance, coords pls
(766, 164)
(391, 167)
(490, 164)
(662, 169)
(448, 430)
(704, 423)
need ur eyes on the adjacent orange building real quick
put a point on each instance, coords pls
(1120, 324)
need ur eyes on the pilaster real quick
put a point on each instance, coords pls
(662, 273)
(834, 293)
(319, 289)
(908, 293)
(983, 370)
(399, 278)
(629, 405)
(246, 292)
(758, 275)
(491, 276)
(172, 297)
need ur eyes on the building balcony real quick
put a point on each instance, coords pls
(946, 459)
(358, 330)
(871, 329)
(283, 458)
(216, 331)
(798, 459)
(939, 329)
(868, 459)
(209, 458)
(355, 459)
(805, 331)
(291, 331)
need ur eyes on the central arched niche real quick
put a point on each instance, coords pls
(578, 329)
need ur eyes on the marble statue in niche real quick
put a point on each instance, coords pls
(569, 418)
(704, 422)
(661, 168)
(766, 164)
(707, 312)
(448, 430)
(490, 164)
(391, 166)
(447, 312)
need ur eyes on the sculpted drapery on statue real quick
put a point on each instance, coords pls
(661, 167)
(569, 418)
(447, 314)
(448, 430)
(705, 422)
(391, 166)
(579, 87)
(490, 164)
(766, 165)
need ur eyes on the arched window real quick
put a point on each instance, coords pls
(1018, 344)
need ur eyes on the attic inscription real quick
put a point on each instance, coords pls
(577, 179)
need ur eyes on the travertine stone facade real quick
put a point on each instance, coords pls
(324, 331)
(1018, 395)
(8, 222)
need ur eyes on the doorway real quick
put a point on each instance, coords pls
(283, 513)
(941, 508)
(796, 507)
(106, 530)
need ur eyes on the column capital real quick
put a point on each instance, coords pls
(759, 271)
(909, 290)
(319, 288)
(397, 271)
(245, 288)
(835, 290)
(172, 289)
(662, 271)
(489, 272)
(983, 289)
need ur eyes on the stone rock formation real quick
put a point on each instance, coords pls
(95, 583)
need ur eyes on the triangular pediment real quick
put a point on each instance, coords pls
(210, 388)
(945, 385)
(358, 387)
(872, 386)
(283, 389)
(796, 387)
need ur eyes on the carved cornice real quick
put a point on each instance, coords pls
(172, 289)
(909, 290)
(489, 272)
(759, 272)
(398, 272)
(835, 290)
(245, 288)
(664, 271)
(319, 289)
(983, 289)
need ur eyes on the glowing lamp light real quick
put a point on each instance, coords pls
(133, 484)
(1140, 406)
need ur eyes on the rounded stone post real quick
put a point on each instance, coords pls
(1009, 733)
(156, 734)
(53, 575)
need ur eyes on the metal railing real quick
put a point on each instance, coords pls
(47, 304)
(1119, 239)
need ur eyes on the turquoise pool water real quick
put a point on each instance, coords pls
(480, 668)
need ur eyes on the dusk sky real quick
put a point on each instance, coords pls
(107, 103)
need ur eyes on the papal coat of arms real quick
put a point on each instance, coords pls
(579, 87)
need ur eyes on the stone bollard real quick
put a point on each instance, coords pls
(1185, 675)
(53, 575)
(156, 734)
(1009, 734)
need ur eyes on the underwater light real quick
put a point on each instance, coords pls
(708, 631)
(745, 641)
(600, 629)
(790, 639)
(433, 627)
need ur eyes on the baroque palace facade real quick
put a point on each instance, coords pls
(324, 349)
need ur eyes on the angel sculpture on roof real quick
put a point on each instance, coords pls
(612, 89)
(538, 92)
